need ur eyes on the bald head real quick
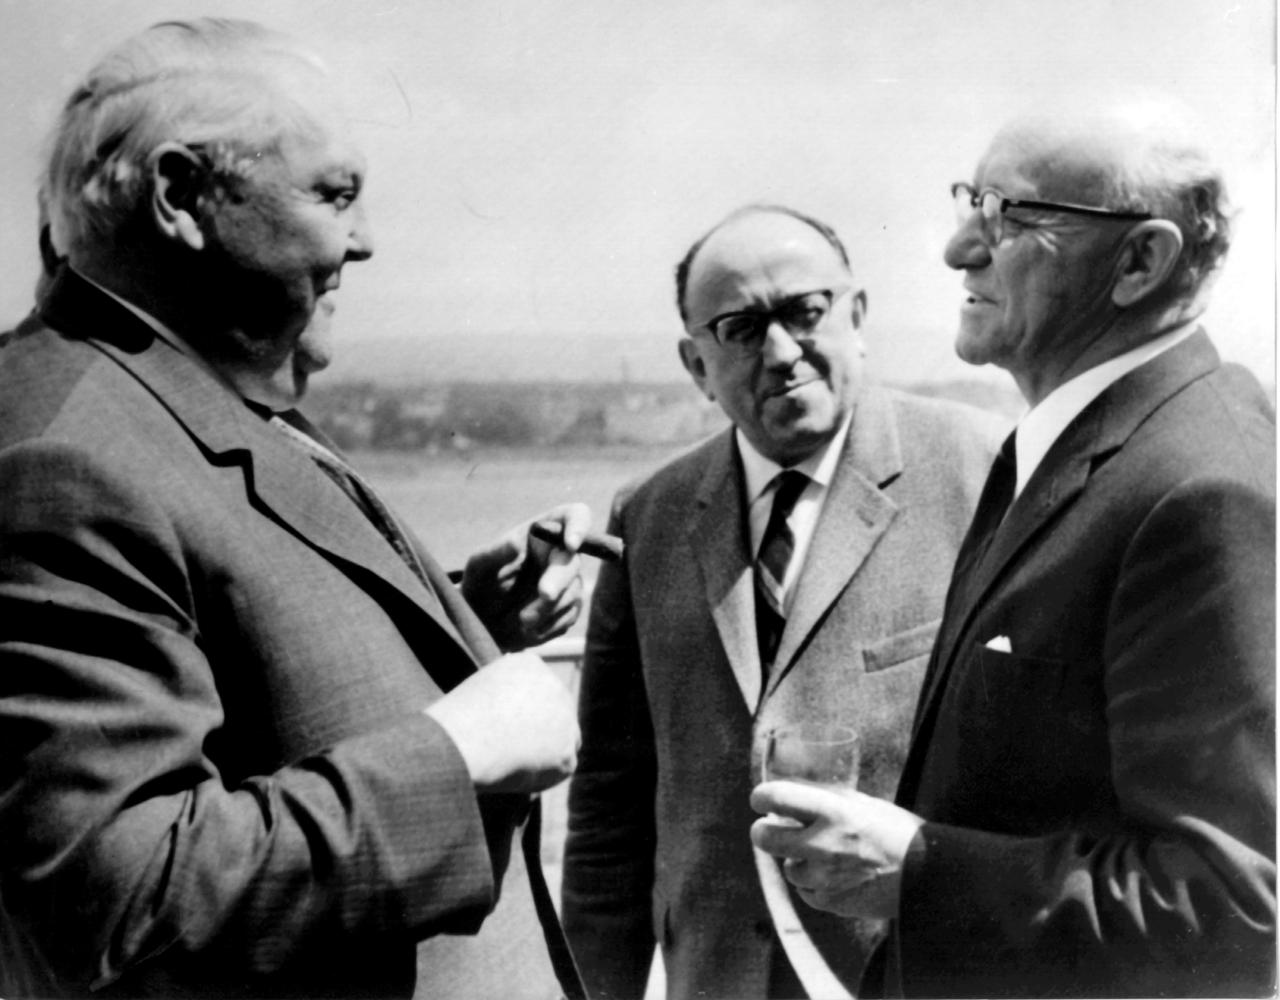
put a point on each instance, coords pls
(685, 266)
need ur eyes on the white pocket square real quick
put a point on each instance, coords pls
(1000, 644)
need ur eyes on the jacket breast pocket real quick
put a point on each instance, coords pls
(1038, 723)
(901, 647)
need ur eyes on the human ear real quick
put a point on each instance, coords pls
(1151, 251)
(177, 182)
(859, 308)
(693, 363)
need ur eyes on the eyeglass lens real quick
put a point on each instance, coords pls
(800, 316)
(988, 205)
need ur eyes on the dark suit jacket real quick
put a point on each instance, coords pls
(659, 846)
(215, 776)
(1101, 800)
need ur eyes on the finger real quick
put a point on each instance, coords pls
(806, 803)
(564, 616)
(541, 627)
(800, 873)
(795, 869)
(576, 518)
(560, 580)
(556, 605)
(777, 836)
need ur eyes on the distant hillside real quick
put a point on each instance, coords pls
(501, 357)
(463, 415)
(613, 356)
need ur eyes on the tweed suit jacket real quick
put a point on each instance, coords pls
(673, 717)
(1100, 792)
(215, 774)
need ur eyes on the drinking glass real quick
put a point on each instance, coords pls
(818, 753)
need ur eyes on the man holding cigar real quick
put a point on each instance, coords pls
(248, 746)
(703, 639)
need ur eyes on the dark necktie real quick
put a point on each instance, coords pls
(302, 433)
(994, 503)
(777, 546)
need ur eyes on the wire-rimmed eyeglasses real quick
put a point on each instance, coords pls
(992, 205)
(802, 316)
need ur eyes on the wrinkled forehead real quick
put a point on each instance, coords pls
(759, 257)
(1054, 160)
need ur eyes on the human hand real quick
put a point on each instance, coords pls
(527, 590)
(514, 723)
(841, 849)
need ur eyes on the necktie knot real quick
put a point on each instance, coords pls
(997, 495)
(790, 483)
(1004, 472)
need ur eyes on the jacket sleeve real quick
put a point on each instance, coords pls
(609, 852)
(123, 849)
(1178, 896)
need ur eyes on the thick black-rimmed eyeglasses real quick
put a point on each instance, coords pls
(992, 205)
(801, 316)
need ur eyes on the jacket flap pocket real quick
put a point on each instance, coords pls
(899, 648)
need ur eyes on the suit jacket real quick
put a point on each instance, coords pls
(658, 846)
(1101, 799)
(215, 773)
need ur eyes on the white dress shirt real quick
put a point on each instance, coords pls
(809, 965)
(759, 471)
(1044, 424)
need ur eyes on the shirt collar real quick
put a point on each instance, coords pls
(1044, 424)
(820, 466)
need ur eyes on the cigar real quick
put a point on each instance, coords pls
(601, 546)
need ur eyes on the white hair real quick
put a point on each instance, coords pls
(213, 84)
(1145, 153)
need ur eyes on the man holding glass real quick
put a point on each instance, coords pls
(790, 569)
(1088, 805)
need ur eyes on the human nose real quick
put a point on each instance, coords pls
(360, 236)
(967, 250)
(780, 349)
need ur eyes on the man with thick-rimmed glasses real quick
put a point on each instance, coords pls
(792, 568)
(1088, 804)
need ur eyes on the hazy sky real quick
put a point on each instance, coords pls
(537, 166)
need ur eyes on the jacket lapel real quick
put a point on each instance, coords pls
(1087, 443)
(855, 513)
(276, 472)
(717, 535)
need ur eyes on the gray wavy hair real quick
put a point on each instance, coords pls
(210, 83)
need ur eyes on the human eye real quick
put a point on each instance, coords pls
(738, 329)
(807, 311)
(340, 192)
(1015, 221)
(343, 198)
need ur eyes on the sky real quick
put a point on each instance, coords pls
(538, 166)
